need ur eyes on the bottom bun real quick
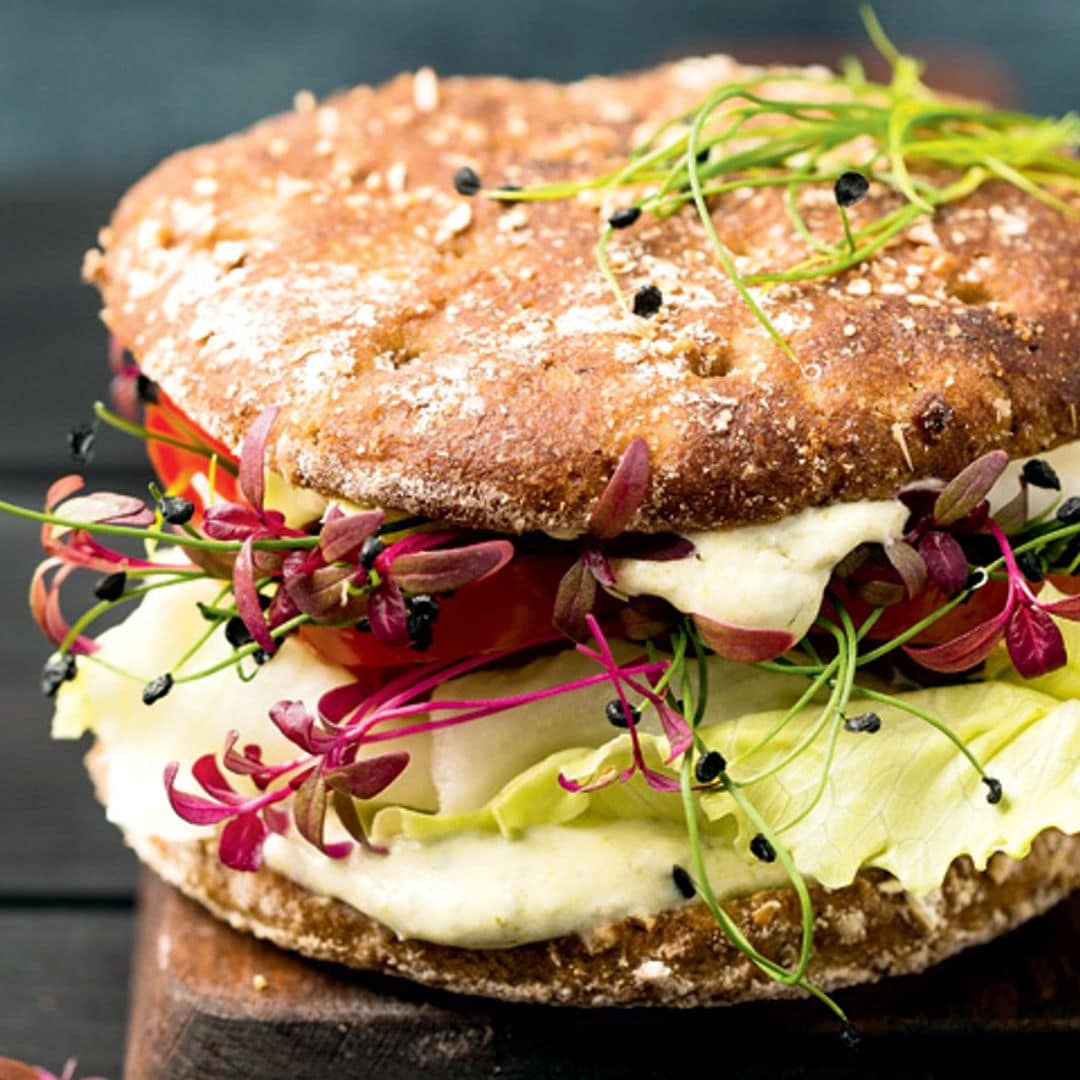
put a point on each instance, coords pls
(680, 957)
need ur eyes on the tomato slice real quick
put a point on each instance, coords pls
(176, 468)
(511, 609)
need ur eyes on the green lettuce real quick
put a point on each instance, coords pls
(902, 799)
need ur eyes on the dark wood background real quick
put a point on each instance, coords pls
(94, 91)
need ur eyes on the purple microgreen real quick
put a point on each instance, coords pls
(324, 594)
(746, 644)
(623, 494)
(969, 487)
(908, 563)
(677, 731)
(345, 809)
(241, 843)
(253, 457)
(1014, 514)
(944, 560)
(596, 562)
(293, 720)
(45, 607)
(655, 547)
(309, 809)
(247, 597)
(1034, 641)
(964, 651)
(341, 537)
(450, 568)
(107, 508)
(881, 593)
(194, 809)
(210, 779)
(368, 777)
(574, 601)
(388, 614)
(230, 521)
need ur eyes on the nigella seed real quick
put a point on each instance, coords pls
(1069, 511)
(81, 443)
(709, 766)
(424, 608)
(1041, 474)
(157, 688)
(616, 714)
(147, 390)
(849, 1036)
(867, 722)
(850, 188)
(59, 670)
(370, 550)
(683, 882)
(236, 633)
(624, 217)
(761, 849)
(1031, 566)
(647, 301)
(994, 792)
(175, 510)
(466, 182)
(111, 586)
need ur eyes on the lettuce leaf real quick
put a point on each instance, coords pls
(903, 799)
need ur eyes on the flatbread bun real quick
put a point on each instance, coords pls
(465, 360)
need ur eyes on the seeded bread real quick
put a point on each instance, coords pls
(446, 356)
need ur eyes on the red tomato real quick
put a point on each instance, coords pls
(984, 603)
(510, 609)
(174, 466)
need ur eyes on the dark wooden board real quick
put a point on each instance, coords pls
(198, 1011)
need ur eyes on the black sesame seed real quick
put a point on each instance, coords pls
(850, 188)
(175, 510)
(262, 656)
(370, 550)
(624, 217)
(59, 670)
(761, 849)
(994, 792)
(1069, 511)
(1041, 474)
(424, 608)
(111, 586)
(236, 633)
(647, 301)
(849, 1036)
(466, 182)
(616, 714)
(683, 882)
(81, 443)
(157, 688)
(147, 390)
(1031, 566)
(867, 722)
(709, 766)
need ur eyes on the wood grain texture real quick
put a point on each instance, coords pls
(198, 1012)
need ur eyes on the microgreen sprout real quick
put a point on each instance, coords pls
(923, 149)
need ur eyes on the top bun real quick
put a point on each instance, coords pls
(464, 359)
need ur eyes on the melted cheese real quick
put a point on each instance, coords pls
(771, 575)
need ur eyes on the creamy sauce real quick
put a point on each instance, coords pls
(479, 890)
(771, 575)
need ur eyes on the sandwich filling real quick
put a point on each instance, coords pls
(478, 838)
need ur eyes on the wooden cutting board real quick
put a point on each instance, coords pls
(208, 1002)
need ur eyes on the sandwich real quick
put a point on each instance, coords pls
(611, 543)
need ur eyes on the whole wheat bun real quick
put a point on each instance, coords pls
(864, 932)
(454, 358)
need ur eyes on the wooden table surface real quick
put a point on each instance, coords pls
(67, 884)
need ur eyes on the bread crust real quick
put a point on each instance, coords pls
(864, 932)
(449, 357)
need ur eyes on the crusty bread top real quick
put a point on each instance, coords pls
(451, 357)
